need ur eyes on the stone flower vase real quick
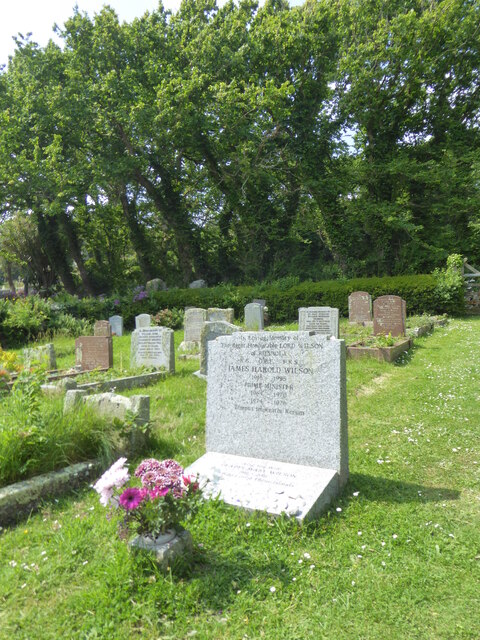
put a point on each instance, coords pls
(166, 547)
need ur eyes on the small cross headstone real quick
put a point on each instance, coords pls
(143, 320)
(153, 347)
(322, 320)
(389, 316)
(211, 331)
(116, 322)
(102, 328)
(276, 428)
(93, 352)
(360, 307)
(215, 314)
(254, 317)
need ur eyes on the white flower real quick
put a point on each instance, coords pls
(272, 589)
(338, 509)
(394, 536)
(12, 563)
(307, 555)
(355, 493)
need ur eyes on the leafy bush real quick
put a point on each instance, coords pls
(450, 285)
(23, 319)
(172, 318)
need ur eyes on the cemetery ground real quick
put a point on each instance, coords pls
(396, 556)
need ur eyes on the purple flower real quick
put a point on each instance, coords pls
(131, 498)
(116, 302)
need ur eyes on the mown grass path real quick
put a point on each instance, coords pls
(397, 556)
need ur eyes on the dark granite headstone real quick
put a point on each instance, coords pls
(389, 315)
(94, 352)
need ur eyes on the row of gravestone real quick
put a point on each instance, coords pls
(389, 313)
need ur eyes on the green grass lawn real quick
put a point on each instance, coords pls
(396, 556)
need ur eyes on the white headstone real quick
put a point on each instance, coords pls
(116, 323)
(142, 321)
(193, 323)
(153, 347)
(322, 320)
(276, 433)
(253, 317)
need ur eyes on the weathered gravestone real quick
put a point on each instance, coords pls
(114, 406)
(197, 284)
(142, 321)
(323, 320)
(94, 352)
(155, 285)
(102, 328)
(44, 356)
(389, 316)
(360, 307)
(211, 331)
(276, 430)
(214, 314)
(116, 322)
(193, 322)
(253, 317)
(153, 347)
(266, 316)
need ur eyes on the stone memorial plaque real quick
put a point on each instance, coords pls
(153, 347)
(280, 399)
(360, 307)
(142, 321)
(116, 322)
(220, 315)
(94, 352)
(389, 315)
(211, 331)
(102, 328)
(254, 317)
(267, 485)
(322, 320)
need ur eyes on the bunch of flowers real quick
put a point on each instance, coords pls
(164, 499)
(139, 293)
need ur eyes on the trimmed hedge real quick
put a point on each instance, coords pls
(421, 293)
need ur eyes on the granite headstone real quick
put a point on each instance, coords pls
(360, 307)
(142, 321)
(322, 320)
(214, 314)
(116, 322)
(94, 352)
(153, 347)
(276, 431)
(211, 331)
(253, 317)
(102, 328)
(389, 316)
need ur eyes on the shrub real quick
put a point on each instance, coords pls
(172, 318)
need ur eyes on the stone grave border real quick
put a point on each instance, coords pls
(20, 499)
(390, 354)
